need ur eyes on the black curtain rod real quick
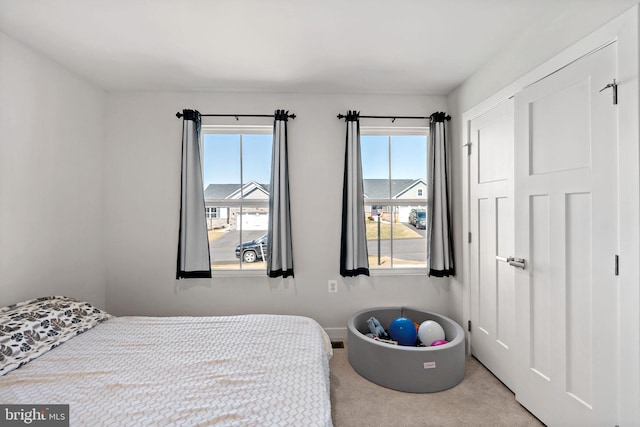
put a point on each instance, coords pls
(292, 116)
(342, 116)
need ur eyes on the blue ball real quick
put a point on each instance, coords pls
(403, 330)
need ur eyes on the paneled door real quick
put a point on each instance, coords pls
(566, 230)
(491, 224)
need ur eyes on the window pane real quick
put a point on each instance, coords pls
(375, 166)
(408, 160)
(396, 236)
(241, 241)
(256, 160)
(378, 225)
(252, 252)
(224, 236)
(409, 242)
(221, 161)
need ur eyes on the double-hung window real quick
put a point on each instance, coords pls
(236, 176)
(394, 162)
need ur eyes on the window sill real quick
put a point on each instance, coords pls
(238, 273)
(398, 272)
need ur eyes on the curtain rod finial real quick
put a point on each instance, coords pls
(179, 115)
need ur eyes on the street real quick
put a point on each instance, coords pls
(408, 249)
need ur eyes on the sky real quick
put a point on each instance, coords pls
(222, 157)
(408, 156)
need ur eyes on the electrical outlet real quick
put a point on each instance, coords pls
(333, 286)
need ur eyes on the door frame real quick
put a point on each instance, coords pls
(623, 30)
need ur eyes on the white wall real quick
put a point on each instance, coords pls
(50, 180)
(142, 163)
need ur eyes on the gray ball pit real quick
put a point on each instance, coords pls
(405, 368)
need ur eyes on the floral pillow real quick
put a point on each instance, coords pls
(31, 328)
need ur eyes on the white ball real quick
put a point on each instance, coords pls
(429, 332)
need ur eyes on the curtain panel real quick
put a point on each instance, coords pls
(439, 236)
(280, 251)
(193, 242)
(354, 259)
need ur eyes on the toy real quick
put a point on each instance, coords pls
(402, 330)
(376, 328)
(439, 342)
(430, 331)
(375, 338)
(387, 341)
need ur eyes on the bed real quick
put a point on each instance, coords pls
(248, 370)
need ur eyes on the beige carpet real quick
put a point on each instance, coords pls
(479, 400)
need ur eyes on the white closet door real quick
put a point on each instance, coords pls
(566, 216)
(491, 225)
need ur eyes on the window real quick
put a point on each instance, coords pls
(211, 213)
(236, 176)
(394, 162)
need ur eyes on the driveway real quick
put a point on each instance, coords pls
(223, 249)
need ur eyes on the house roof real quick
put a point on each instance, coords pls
(232, 191)
(373, 189)
(379, 188)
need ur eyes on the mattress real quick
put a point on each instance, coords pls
(249, 370)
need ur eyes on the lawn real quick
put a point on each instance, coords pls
(385, 262)
(400, 231)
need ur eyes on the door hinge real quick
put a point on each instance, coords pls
(469, 325)
(469, 238)
(613, 86)
(468, 145)
(617, 265)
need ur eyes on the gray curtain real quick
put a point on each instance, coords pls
(439, 236)
(279, 247)
(354, 259)
(193, 242)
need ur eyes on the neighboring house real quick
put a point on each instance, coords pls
(399, 189)
(256, 218)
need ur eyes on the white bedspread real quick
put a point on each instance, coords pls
(253, 370)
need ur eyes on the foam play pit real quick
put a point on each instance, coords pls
(406, 368)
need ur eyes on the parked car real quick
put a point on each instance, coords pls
(255, 250)
(418, 218)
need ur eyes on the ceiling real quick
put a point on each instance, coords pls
(333, 46)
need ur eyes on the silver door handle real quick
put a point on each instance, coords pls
(512, 261)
